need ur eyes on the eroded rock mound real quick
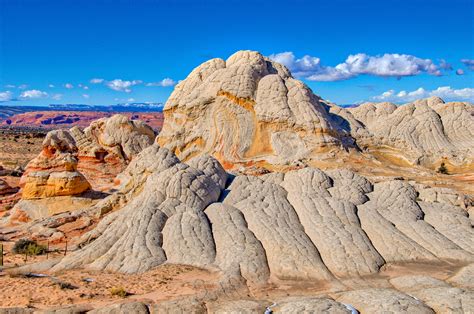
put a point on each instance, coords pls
(246, 109)
(54, 172)
(301, 225)
(249, 111)
(425, 132)
(74, 160)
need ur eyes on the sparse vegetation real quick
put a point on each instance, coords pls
(28, 247)
(119, 291)
(442, 169)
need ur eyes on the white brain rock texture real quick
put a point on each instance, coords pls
(246, 108)
(249, 110)
(300, 225)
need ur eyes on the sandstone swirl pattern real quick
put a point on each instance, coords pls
(72, 160)
(244, 109)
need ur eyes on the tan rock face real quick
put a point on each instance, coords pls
(54, 171)
(73, 161)
(245, 109)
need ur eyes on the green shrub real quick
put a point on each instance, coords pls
(442, 169)
(28, 247)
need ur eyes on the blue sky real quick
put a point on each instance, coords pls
(355, 50)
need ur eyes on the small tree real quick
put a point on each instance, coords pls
(442, 169)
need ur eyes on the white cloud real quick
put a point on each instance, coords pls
(51, 86)
(68, 85)
(459, 72)
(469, 63)
(445, 92)
(33, 94)
(122, 86)
(56, 96)
(166, 82)
(6, 96)
(387, 65)
(85, 87)
(86, 96)
(131, 99)
(10, 86)
(23, 86)
(96, 81)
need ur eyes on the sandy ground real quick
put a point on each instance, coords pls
(18, 148)
(167, 282)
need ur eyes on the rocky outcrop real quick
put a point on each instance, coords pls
(54, 172)
(246, 109)
(74, 160)
(106, 147)
(304, 224)
(426, 132)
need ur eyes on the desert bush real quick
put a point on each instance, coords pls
(119, 291)
(29, 247)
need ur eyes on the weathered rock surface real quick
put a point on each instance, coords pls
(54, 171)
(300, 225)
(383, 301)
(248, 110)
(176, 204)
(437, 294)
(425, 132)
(73, 160)
(244, 109)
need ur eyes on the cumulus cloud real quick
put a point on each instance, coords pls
(23, 86)
(387, 65)
(96, 81)
(122, 86)
(69, 86)
(10, 86)
(86, 96)
(469, 63)
(445, 92)
(166, 82)
(56, 96)
(459, 72)
(445, 65)
(33, 94)
(50, 85)
(6, 96)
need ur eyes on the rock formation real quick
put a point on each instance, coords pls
(248, 110)
(73, 160)
(301, 226)
(106, 147)
(304, 224)
(425, 132)
(54, 171)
